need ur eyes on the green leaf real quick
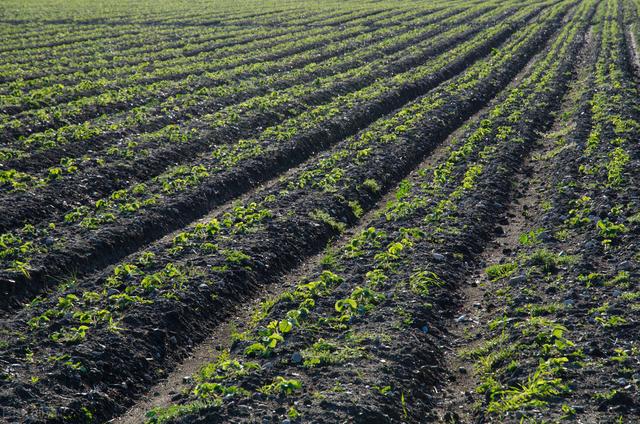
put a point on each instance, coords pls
(349, 303)
(285, 326)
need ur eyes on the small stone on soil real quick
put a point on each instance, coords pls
(518, 279)
(296, 358)
(438, 257)
(625, 265)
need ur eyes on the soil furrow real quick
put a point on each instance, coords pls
(273, 256)
(564, 290)
(52, 156)
(117, 242)
(182, 75)
(161, 394)
(29, 121)
(261, 406)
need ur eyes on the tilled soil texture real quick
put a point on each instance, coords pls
(90, 236)
(558, 292)
(338, 212)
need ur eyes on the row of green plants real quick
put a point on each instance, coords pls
(66, 59)
(19, 181)
(357, 149)
(353, 303)
(210, 59)
(68, 39)
(330, 174)
(149, 279)
(209, 91)
(198, 96)
(37, 36)
(292, 314)
(298, 97)
(91, 71)
(185, 175)
(540, 341)
(185, 75)
(325, 315)
(125, 34)
(607, 152)
(166, 13)
(133, 201)
(543, 382)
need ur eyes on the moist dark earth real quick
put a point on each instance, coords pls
(293, 212)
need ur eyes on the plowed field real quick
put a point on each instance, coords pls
(320, 212)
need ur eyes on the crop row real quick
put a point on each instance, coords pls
(75, 38)
(178, 284)
(211, 89)
(145, 156)
(92, 54)
(92, 61)
(574, 336)
(145, 211)
(176, 80)
(137, 58)
(139, 51)
(378, 302)
(111, 100)
(192, 13)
